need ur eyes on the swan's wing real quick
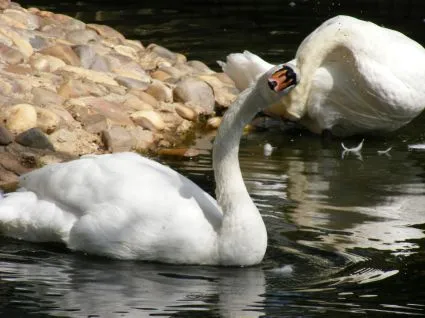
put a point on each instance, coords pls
(244, 68)
(122, 187)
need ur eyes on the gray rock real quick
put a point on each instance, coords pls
(34, 138)
(195, 92)
(117, 139)
(82, 36)
(5, 136)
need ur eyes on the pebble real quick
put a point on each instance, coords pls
(148, 119)
(117, 139)
(21, 117)
(34, 138)
(63, 52)
(160, 91)
(213, 122)
(47, 120)
(186, 112)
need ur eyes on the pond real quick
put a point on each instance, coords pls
(346, 231)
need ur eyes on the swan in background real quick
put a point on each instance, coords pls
(125, 206)
(356, 77)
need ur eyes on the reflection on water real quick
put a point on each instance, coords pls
(344, 236)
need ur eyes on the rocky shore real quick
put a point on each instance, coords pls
(68, 88)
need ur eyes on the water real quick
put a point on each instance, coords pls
(345, 233)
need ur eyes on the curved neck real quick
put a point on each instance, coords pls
(242, 237)
(228, 176)
(311, 55)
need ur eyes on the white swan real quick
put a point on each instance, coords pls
(357, 77)
(128, 207)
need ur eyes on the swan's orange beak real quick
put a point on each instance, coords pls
(283, 78)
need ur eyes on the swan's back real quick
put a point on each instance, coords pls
(119, 205)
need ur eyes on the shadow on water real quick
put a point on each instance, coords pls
(345, 234)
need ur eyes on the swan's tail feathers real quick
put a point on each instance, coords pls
(244, 68)
(24, 216)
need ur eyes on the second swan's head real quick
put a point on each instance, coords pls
(282, 78)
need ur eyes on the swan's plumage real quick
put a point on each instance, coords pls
(356, 77)
(129, 207)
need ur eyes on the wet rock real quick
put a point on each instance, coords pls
(34, 138)
(45, 97)
(117, 139)
(106, 31)
(186, 112)
(21, 117)
(160, 91)
(195, 92)
(84, 36)
(213, 122)
(63, 52)
(10, 55)
(47, 120)
(5, 136)
(148, 119)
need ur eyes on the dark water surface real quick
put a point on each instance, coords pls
(346, 233)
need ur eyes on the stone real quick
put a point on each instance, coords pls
(160, 91)
(224, 95)
(131, 82)
(79, 87)
(117, 139)
(94, 76)
(179, 152)
(45, 63)
(95, 123)
(160, 75)
(144, 97)
(142, 139)
(5, 136)
(129, 69)
(10, 55)
(200, 67)
(135, 44)
(106, 31)
(45, 97)
(63, 52)
(21, 117)
(186, 112)
(47, 120)
(34, 138)
(76, 142)
(195, 92)
(86, 53)
(148, 119)
(4, 4)
(28, 20)
(133, 102)
(83, 36)
(223, 77)
(39, 42)
(213, 122)
(162, 52)
(126, 51)
(100, 64)
(18, 40)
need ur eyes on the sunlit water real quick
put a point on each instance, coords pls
(345, 232)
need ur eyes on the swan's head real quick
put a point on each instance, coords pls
(282, 78)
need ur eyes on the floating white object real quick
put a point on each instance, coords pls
(355, 150)
(385, 152)
(268, 149)
(419, 147)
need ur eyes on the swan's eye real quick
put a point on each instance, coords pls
(282, 79)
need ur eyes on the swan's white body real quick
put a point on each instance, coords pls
(129, 207)
(356, 77)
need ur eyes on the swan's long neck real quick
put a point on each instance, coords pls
(311, 55)
(243, 237)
